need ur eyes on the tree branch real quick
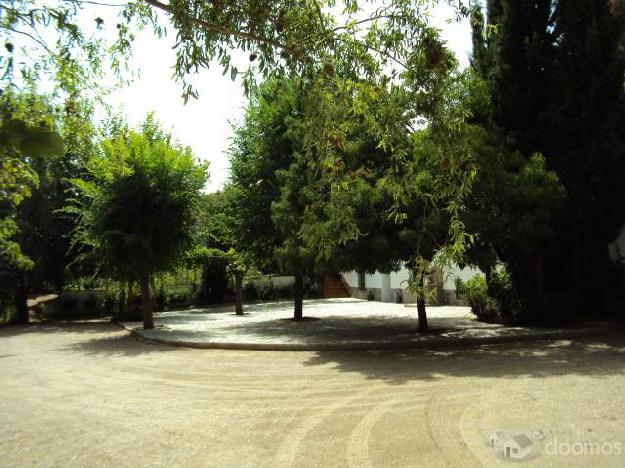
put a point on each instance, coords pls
(368, 20)
(93, 2)
(222, 29)
(41, 43)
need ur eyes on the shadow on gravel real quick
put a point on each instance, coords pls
(117, 345)
(595, 357)
(69, 326)
(90, 337)
(336, 329)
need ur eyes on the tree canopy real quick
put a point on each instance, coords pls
(554, 78)
(139, 205)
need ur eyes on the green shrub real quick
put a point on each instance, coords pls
(259, 289)
(91, 305)
(475, 293)
(7, 310)
(66, 306)
(508, 304)
(312, 290)
(495, 301)
(76, 304)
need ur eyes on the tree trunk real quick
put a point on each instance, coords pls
(298, 297)
(205, 284)
(21, 305)
(144, 283)
(238, 293)
(421, 313)
(423, 318)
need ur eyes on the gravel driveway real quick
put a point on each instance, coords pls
(91, 395)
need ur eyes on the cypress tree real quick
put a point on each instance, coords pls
(555, 71)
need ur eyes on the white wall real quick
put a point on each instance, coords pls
(281, 281)
(465, 274)
(351, 277)
(373, 281)
(399, 279)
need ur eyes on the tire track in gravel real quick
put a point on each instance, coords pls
(443, 424)
(290, 445)
(358, 442)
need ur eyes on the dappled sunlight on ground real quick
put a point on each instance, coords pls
(334, 323)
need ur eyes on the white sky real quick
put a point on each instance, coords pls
(203, 124)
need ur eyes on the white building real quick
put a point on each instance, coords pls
(392, 287)
(517, 447)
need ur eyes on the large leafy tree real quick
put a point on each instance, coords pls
(261, 149)
(27, 135)
(139, 206)
(45, 43)
(554, 73)
(218, 247)
(359, 188)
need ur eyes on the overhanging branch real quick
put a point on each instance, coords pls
(222, 29)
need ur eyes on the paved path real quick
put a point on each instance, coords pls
(332, 324)
(91, 395)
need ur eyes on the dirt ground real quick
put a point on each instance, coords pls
(91, 395)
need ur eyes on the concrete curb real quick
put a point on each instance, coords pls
(427, 343)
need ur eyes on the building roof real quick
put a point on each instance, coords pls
(522, 440)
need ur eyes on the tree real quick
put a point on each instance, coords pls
(260, 150)
(24, 137)
(219, 247)
(139, 206)
(42, 43)
(554, 75)
(285, 38)
(387, 192)
(341, 193)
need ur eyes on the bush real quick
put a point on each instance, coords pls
(91, 305)
(312, 289)
(496, 301)
(7, 310)
(475, 293)
(66, 306)
(261, 289)
(77, 304)
(257, 290)
(501, 289)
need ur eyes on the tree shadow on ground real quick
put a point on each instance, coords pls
(374, 328)
(336, 329)
(91, 337)
(596, 357)
(253, 307)
(123, 344)
(59, 326)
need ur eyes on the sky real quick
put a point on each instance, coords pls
(205, 124)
